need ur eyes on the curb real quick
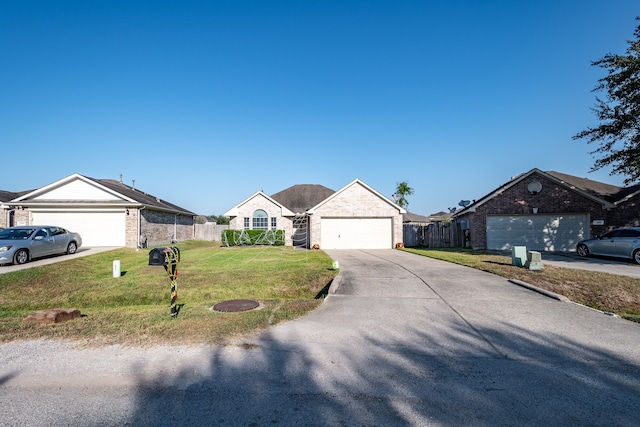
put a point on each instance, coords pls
(557, 296)
(335, 284)
(540, 291)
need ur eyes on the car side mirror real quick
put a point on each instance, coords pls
(38, 238)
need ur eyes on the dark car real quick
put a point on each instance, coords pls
(620, 243)
(23, 243)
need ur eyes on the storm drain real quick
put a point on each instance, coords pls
(236, 305)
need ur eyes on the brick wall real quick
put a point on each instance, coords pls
(4, 220)
(517, 200)
(627, 214)
(21, 217)
(161, 228)
(131, 228)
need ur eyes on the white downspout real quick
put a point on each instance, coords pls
(175, 228)
(139, 231)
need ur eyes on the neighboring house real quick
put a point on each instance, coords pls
(547, 211)
(355, 217)
(6, 214)
(415, 219)
(105, 212)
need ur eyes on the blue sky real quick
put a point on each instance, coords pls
(203, 103)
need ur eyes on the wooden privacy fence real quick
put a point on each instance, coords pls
(209, 232)
(435, 235)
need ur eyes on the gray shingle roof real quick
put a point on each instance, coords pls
(302, 197)
(608, 192)
(6, 196)
(140, 196)
(411, 217)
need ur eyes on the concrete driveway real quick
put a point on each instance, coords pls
(82, 251)
(404, 340)
(624, 267)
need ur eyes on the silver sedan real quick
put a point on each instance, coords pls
(620, 243)
(21, 244)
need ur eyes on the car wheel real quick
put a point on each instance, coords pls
(583, 250)
(636, 256)
(72, 248)
(21, 256)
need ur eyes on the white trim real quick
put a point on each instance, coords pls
(235, 211)
(64, 181)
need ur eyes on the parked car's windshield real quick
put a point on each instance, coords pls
(16, 233)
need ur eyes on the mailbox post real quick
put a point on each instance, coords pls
(169, 259)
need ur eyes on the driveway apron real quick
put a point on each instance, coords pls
(404, 340)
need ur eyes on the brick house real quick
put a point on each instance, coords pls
(105, 212)
(547, 211)
(5, 197)
(354, 217)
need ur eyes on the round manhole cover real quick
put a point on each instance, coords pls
(236, 305)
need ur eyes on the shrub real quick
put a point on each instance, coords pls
(253, 237)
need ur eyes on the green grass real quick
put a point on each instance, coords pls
(606, 292)
(135, 308)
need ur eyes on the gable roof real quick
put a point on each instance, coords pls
(234, 211)
(121, 193)
(608, 192)
(611, 193)
(596, 191)
(302, 197)
(352, 183)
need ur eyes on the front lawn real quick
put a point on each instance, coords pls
(135, 307)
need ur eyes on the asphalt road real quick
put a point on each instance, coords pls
(404, 340)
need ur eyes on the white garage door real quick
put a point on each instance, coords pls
(356, 233)
(536, 232)
(97, 228)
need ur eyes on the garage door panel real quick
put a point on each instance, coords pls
(97, 228)
(536, 232)
(356, 233)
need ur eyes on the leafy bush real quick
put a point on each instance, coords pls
(253, 237)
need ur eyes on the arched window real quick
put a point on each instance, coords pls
(260, 220)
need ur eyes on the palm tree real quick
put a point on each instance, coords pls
(402, 191)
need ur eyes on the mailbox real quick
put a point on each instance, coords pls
(169, 259)
(157, 257)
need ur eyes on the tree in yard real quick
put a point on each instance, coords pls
(618, 113)
(402, 191)
(219, 219)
